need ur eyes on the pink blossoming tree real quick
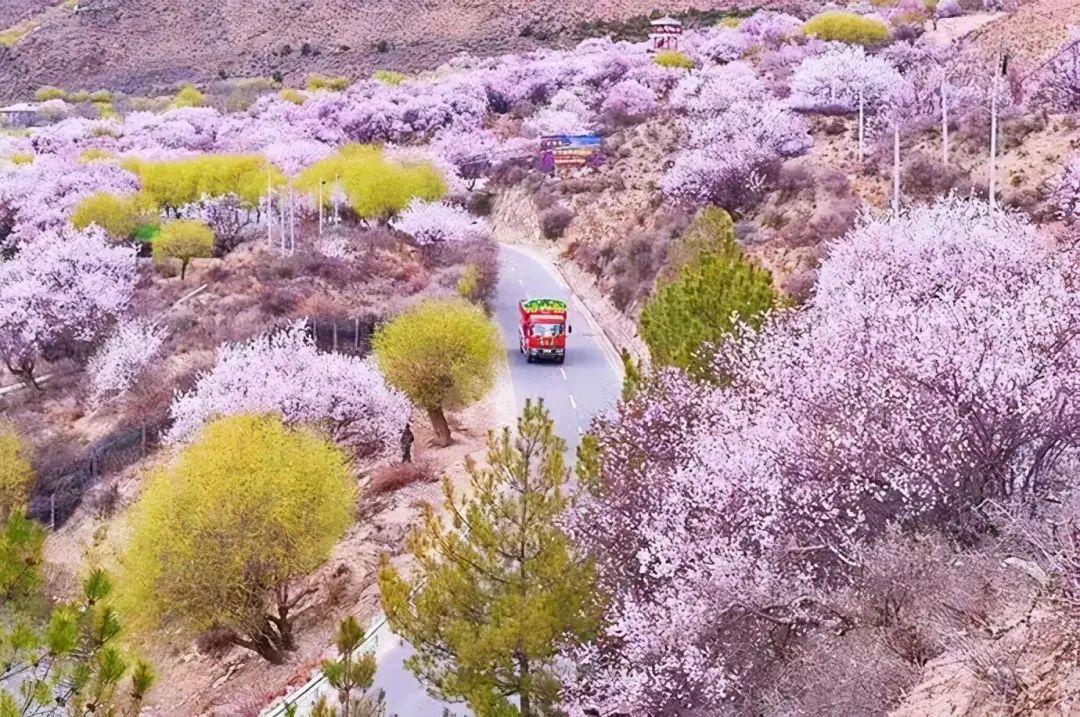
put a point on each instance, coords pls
(59, 295)
(935, 367)
(283, 372)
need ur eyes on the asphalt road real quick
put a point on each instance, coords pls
(587, 382)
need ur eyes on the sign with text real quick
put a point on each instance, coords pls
(560, 151)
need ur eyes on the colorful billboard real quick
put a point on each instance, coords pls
(564, 150)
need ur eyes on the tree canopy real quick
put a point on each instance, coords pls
(184, 240)
(715, 288)
(375, 187)
(500, 589)
(219, 536)
(441, 354)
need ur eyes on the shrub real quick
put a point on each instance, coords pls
(94, 154)
(45, 94)
(120, 217)
(184, 240)
(848, 27)
(389, 77)
(101, 96)
(375, 187)
(712, 293)
(554, 221)
(673, 60)
(15, 472)
(218, 537)
(397, 476)
(22, 158)
(78, 97)
(468, 286)
(316, 83)
(441, 354)
(188, 96)
(294, 96)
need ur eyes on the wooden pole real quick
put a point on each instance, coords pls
(944, 124)
(896, 168)
(993, 131)
(861, 125)
(269, 213)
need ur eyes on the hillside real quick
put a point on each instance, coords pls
(134, 46)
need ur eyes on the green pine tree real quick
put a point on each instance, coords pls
(715, 288)
(351, 675)
(500, 590)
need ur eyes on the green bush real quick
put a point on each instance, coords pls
(316, 83)
(389, 77)
(674, 60)
(78, 97)
(375, 187)
(44, 94)
(292, 95)
(189, 96)
(839, 26)
(101, 96)
(716, 289)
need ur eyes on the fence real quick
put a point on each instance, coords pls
(58, 494)
(349, 336)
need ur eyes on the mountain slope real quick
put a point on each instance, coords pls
(147, 45)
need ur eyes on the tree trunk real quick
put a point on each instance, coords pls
(442, 428)
(263, 646)
(183, 269)
(526, 703)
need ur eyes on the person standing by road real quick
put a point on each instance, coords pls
(406, 444)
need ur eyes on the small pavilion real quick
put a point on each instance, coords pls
(664, 34)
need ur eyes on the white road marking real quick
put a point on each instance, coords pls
(563, 372)
(572, 401)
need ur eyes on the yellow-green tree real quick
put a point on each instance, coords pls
(500, 591)
(221, 537)
(172, 184)
(16, 472)
(120, 217)
(376, 188)
(840, 26)
(442, 355)
(184, 240)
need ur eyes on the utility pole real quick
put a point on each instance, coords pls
(861, 125)
(896, 167)
(1000, 66)
(944, 123)
(269, 211)
(321, 185)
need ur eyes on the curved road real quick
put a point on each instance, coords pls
(589, 381)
